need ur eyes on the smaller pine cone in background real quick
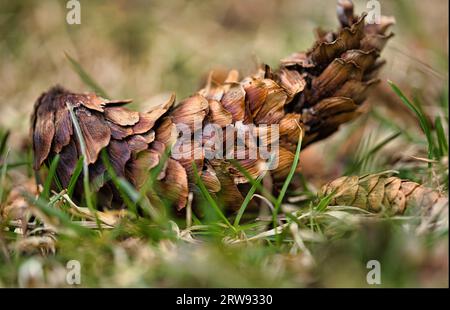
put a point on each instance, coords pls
(379, 192)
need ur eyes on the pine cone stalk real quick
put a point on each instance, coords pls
(313, 92)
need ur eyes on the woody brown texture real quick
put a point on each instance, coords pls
(312, 92)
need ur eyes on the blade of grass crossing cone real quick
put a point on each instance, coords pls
(86, 185)
(288, 180)
(208, 197)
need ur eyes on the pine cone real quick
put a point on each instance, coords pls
(312, 93)
(378, 193)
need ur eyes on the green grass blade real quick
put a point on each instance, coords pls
(208, 197)
(86, 186)
(288, 180)
(50, 177)
(369, 154)
(75, 175)
(4, 136)
(131, 197)
(441, 137)
(148, 185)
(387, 122)
(3, 177)
(424, 124)
(246, 201)
(85, 77)
(252, 181)
(255, 185)
(123, 189)
(324, 202)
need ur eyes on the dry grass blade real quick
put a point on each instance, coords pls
(110, 218)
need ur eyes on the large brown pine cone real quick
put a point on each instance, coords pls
(311, 93)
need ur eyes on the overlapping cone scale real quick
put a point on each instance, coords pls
(312, 93)
(380, 192)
